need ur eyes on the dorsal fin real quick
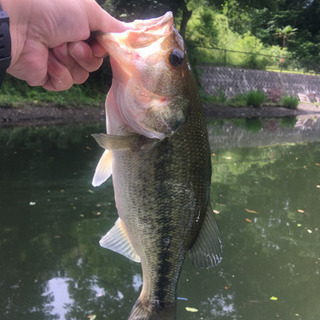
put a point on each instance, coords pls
(206, 252)
(117, 240)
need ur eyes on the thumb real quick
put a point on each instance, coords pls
(100, 20)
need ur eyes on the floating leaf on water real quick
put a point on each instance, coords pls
(189, 309)
(220, 204)
(248, 220)
(273, 298)
(251, 211)
(32, 203)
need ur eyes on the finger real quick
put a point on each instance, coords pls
(78, 74)
(100, 20)
(82, 53)
(59, 76)
(98, 50)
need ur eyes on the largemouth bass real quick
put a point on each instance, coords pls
(157, 150)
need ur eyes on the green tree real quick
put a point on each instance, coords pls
(285, 33)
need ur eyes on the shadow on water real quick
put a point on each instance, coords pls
(265, 192)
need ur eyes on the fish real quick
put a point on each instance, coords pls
(156, 149)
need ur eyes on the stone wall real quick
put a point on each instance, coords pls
(234, 81)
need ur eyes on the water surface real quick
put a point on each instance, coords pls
(265, 192)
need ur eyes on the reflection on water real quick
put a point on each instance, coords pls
(265, 192)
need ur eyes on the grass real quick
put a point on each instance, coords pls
(290, 102)
(256, 98)
(274, 69)
(252, 98)
(17, 93)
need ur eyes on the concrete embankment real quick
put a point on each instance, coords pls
(233, 81)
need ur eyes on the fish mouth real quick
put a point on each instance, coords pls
(152, 24)
(143, 82)
(136, 43)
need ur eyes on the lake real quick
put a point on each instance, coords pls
(265, 193)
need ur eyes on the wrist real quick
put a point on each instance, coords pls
(5, 43)
(18, 28)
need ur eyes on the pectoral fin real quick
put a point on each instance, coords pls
(108, 142)
(116, 240)
(207, 249)
(104, 169)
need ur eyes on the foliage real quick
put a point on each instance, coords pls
(290, 102)
(240, 100)
(251, 98)
(219, 98)
(15, 92)
(285, 33)
(256, 98)
(214, 41)
(252, 34)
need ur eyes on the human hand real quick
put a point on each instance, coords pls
(49, 47)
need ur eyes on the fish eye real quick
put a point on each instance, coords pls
(176, 57)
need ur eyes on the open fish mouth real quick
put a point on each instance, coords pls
(149, 65)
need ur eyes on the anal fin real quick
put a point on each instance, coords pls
(116, 240)
(206, 252)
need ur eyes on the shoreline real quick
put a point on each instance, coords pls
(225, 112)
(51, 114)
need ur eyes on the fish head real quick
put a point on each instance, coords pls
(151, 76)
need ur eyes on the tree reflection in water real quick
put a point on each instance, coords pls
(265, 191)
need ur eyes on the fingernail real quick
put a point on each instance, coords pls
(76, 50)
(62, 49)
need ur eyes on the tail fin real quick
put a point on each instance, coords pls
(152, 312)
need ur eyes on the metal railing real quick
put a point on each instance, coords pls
(253, 60)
